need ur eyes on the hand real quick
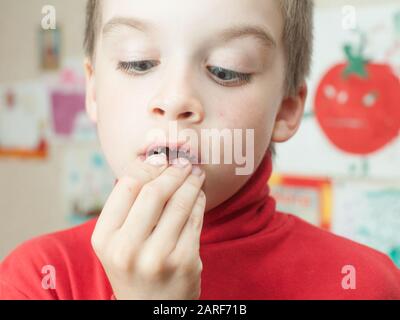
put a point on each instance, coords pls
(148, 234)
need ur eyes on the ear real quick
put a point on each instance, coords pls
(289, 115)
(90, 101)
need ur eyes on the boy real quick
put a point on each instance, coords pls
(201, 65)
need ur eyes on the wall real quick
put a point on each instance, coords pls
(31, 201)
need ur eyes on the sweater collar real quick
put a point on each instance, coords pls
(244, 214)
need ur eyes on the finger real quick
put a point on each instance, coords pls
(176, 214)
(188, 244)
(150, 202)
(125, 192)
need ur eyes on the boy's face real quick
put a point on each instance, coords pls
(183, 78)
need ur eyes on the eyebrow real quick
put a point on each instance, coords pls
(236, 31)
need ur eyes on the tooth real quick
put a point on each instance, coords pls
(171, 153)
(156, 150)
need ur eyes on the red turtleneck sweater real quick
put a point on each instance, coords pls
(248, 250)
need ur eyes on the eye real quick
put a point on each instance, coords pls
(229, 77)
(342, 97)
(369, 99)
(136, 67)
(330, 91)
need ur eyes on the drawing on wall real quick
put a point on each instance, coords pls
(50, 47)
(68, 114)
(369, 213)
(23, 122)
(87, 182)
(66, 107)
(357, 103)
(351, 122)
(309, 198)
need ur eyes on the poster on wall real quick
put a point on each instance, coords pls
(351, 125)
(308, 198)
(68, 114)
(369, 213)
(49, 49)
(87, 182)
(24, 121)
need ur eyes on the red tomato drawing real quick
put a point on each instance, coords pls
(357, 105)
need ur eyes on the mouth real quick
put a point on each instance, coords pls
(172, 151)
(350, 123)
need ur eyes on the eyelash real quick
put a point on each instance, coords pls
(129, 68)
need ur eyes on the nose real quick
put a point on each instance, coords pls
(177, 101)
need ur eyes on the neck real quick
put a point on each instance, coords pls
(247, 212)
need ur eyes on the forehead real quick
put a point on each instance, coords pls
(191, 20)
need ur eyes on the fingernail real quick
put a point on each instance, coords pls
(157, 160)
(196, 170)
(180, 162)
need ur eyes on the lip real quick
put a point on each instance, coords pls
(180, 146)
(350, 123)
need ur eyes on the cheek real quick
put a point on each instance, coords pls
(117, 101)
(251, 111)
(119, 111)
(254, 109)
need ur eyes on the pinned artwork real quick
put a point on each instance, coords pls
(69, 117)
(357, 103)
(309, 198)
(351, 123)
(66, 108)
(369, 213)
(50, 49)
(24, 121)
(87, 182)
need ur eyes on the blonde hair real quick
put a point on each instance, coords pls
(297, 40)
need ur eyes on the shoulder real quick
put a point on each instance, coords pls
(60, 242)
(65, 253)
(334, 256)
(339, 246)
